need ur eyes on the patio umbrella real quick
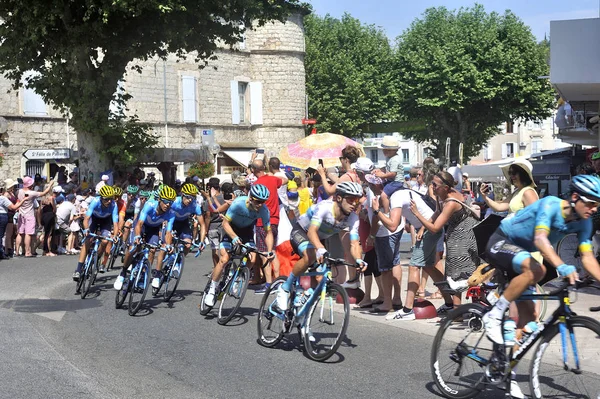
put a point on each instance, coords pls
(306, 153)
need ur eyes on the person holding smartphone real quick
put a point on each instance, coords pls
(26, 221)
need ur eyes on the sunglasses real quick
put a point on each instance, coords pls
(256, 201)
(513, 172)
(166, 202)
(352, 200)
(589, 202)
(106, 199)
(190, 197)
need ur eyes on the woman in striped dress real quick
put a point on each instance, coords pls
(461, 248)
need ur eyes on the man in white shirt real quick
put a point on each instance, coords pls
(457, 175)
(424, 252)
(64, 214)
(102, 182)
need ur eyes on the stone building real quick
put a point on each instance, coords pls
(252, 96)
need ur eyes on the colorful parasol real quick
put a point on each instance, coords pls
(306, 153)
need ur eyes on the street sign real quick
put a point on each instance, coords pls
(53, 153)
(208, 138)
(309, 121)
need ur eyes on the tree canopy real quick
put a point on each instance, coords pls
(466, 72)
(80, 50)
(348, 74)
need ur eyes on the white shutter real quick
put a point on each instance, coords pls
(504, 150)
(256, 113)
(235, 103)
(188, 95)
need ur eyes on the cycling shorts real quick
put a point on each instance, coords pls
(505, 255)
(151, 234)
(103, 225)
(184, 231)
(299, 239)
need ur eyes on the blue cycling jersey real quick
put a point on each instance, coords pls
(240, 215)
(546, 214)
(151, 218)
(184, 212)
(97, 210)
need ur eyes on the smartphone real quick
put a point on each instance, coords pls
(27, 195)
(410, 194)
(260, 150)
(321, 162)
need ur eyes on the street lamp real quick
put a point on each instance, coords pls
(214, 150)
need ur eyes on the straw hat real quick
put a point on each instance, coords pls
(8, 183)
(523, 164)
(389, 143)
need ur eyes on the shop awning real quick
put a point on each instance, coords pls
(240, 156)
(478, 173)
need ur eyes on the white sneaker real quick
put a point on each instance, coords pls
(311, 337)
(457, 285)
(156, 283)
(119, 283)
(175, 272)
(401, 315)
(493, 329)
(209, 299)
(352, 285)
(515, 390)
(283, 297)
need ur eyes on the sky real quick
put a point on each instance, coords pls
(394, 16)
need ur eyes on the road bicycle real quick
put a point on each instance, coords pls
(89, 272)
(233, 285)
(172, 269)
(565, 364)
(320, 327)
(137, 280)
(115, 252)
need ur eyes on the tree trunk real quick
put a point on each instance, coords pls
(91, 161)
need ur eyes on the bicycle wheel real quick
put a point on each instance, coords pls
(271, 325)
(543, 305)
(233, 295)
(324, 329)
(460, 352)
(88, 273)
(140, 286)
(171, 282)
(204, 309)
(122, 293)
(114, 252)
(549, 379)
(568, 250)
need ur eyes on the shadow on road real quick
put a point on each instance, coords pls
(36, 305)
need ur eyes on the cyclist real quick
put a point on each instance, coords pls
(101, 215)
(132, 209)
(150, 222)
(536, 228)
(184, 207)
(238, 227)
(322, 221)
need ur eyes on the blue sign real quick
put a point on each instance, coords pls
(207, 132)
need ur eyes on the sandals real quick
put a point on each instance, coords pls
(436, 295)
(420, 294)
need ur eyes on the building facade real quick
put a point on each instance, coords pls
(252, 95)
(411, 152)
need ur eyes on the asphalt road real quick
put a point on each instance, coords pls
(55, 345)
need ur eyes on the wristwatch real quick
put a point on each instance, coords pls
(375, 211)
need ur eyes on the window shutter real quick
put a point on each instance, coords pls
(504, 150)
(188, 94)
(235, 103)
(256, 114)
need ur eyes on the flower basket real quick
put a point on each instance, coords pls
(203, 170)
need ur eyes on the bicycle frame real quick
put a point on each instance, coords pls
(319, 290)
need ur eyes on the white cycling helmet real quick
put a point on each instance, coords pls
(349, 189)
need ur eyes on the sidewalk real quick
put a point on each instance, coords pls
(582, 302)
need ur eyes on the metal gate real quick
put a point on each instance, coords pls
(33, 167)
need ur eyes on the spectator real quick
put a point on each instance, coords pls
(6, 206)
(216, 207)
(272, 183)
(48, 218)
(275, 170)
(392, 178)
(61, 176)
(72, 186)
(420, 185)
(65, 214)
(102, 182)
(9, 192)
(457, 174)
(26, 222)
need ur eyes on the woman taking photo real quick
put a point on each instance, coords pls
(461, 248)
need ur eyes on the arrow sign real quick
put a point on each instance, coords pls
(53, 153)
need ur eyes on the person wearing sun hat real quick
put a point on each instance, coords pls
(26, 221)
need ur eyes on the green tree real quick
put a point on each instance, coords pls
(80, 50)
(466, 72)
(348, 69)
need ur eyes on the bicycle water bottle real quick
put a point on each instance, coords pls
(306, 295)
(529, 329)
(509, 331)
(298, 297)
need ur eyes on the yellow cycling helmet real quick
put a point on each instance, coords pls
(189, 189)
(167, 193)
(118, 191)
(106, 192)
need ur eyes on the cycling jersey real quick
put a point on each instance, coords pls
(241, 216)
(151, 218)
(184, 212)
(96, 210)
(546, 214)
(121, 206)
(322, 216)
(132, 209)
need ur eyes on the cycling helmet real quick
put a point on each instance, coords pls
(118, 191)
(189, 189)
(587, 186)
(167, 193)
(260, 192)
(132, 189)
(106, 192)
(349, 189)
(145, 194)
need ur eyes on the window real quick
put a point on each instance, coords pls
(405, 156)
(510, 127)
(33, 103)
(242, 87)
(487, 152)
(34, 167)
(374, 155)
(242, 42)
(508, 150)
(246, 102)
(188, 99)
(536, 146)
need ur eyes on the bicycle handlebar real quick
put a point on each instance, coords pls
(93, 235)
